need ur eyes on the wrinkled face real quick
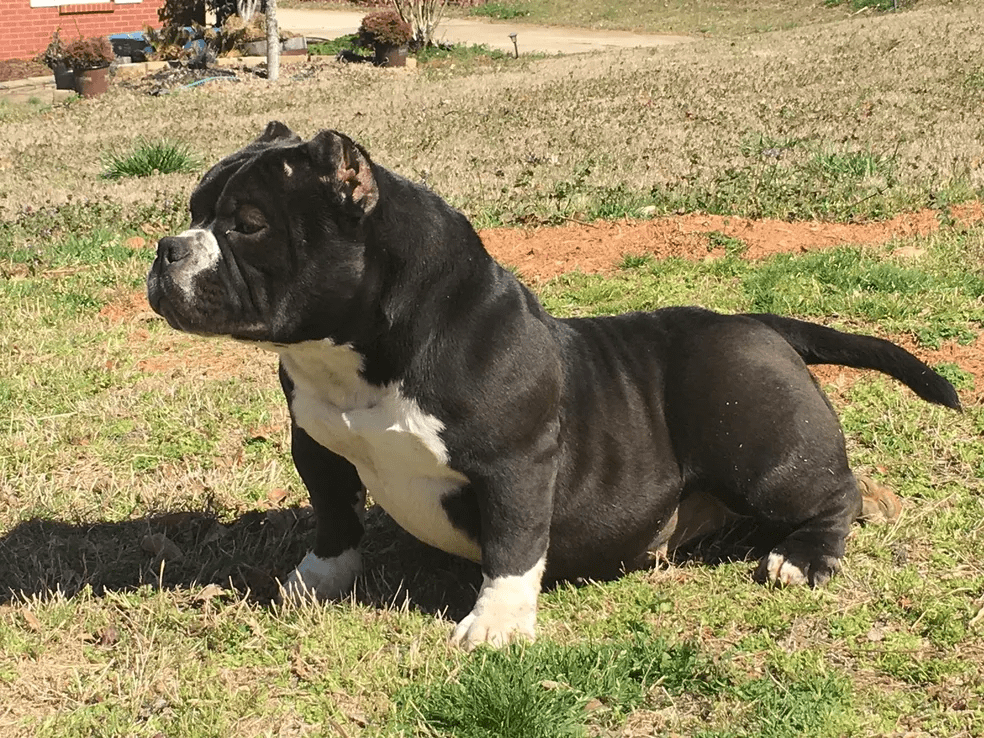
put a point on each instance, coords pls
(273, 252)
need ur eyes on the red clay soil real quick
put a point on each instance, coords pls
(599, 247)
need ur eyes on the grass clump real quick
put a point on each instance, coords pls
(152, 157)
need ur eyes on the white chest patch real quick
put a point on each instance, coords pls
(394, 445)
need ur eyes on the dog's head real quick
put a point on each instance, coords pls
(276, 244)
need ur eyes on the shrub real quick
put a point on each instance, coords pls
(384, 28)
(89, 53)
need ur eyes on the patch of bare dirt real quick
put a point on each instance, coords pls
(599, 247)
(543, 253)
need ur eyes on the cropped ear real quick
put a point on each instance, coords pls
(344, 167)
(277, 131)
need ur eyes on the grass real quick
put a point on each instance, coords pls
(769, 126)
(13, 111)
(676, 16)
(117, 431)
(499, 11)
(149, 158)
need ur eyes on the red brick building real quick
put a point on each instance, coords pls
(26, 25)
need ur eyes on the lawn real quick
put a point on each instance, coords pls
(147, 498)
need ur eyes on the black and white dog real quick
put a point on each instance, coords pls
(417, 367)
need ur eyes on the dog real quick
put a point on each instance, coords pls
(545, 449)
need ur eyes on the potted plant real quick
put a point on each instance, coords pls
(54, 58)
(388, 35)
(89, 59)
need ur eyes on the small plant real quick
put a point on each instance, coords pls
(732, 246)
(94, 52)
(384, 28)
(149, 158)
(54, 53)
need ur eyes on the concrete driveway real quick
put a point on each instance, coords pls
(328, 24)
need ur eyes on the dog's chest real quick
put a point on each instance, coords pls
(394, 445)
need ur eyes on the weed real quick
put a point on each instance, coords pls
(732, 246)
(149, 158)
(635, 261)
(461, 54)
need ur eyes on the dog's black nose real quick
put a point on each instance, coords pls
(172, 249)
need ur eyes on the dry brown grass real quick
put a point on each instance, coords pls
(897, 86)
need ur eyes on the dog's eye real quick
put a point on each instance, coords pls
(250, 220)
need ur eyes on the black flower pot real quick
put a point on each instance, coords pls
(64, 77)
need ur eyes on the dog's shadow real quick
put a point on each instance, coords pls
(250, 555)
(255, 552)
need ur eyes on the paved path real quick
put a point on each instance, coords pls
(328, 24)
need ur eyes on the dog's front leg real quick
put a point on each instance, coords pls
(515, 518)
(330, 568)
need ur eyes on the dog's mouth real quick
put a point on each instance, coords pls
(163, 303)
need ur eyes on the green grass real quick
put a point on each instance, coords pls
(877, 5)
(931, 300)
(333, 46)
(116, 430)
(149, 158)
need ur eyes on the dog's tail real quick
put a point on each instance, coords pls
(818, 344)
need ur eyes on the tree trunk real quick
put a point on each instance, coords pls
(273, 41)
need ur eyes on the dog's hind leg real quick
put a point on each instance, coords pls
(812, 552)
(753, 428)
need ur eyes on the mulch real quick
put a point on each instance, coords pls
(11, 69)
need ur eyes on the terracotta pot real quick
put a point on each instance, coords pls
(91, 82)
(391, 56)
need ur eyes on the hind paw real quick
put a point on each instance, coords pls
(782, 569)
(879, 504)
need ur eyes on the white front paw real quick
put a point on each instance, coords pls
(505, 611)
(322, 579)
(495, 630)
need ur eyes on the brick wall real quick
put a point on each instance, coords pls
(25, 31)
